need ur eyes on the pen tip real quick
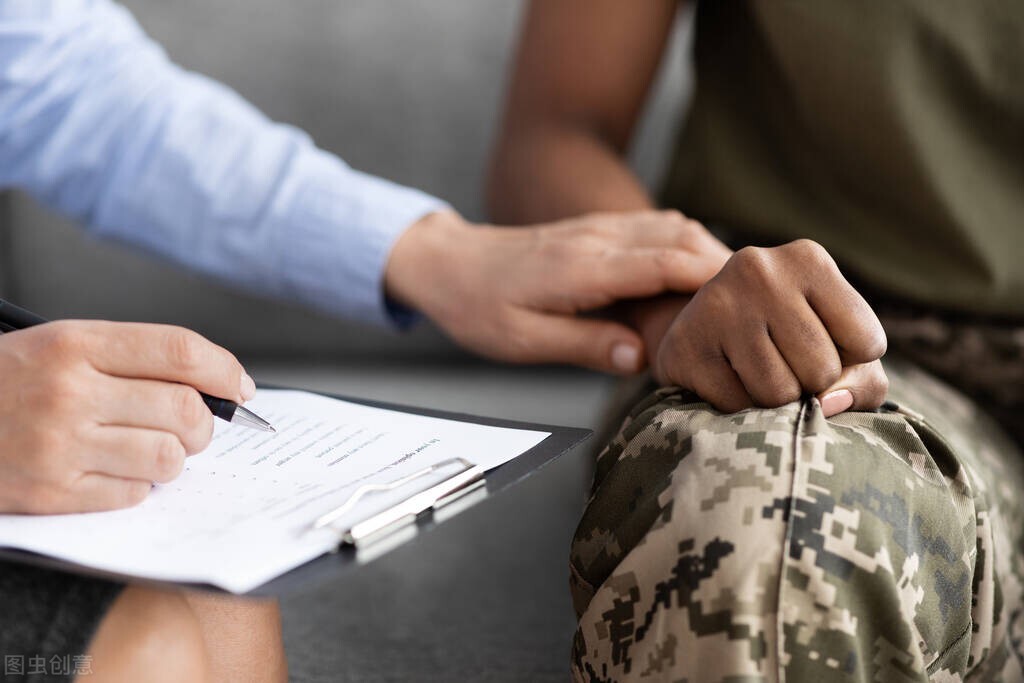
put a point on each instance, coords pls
(248, 418)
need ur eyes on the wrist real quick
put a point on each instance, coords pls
(421, 257)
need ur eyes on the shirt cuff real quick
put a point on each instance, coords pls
(343, 225)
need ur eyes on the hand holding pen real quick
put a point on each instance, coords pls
(93, 412)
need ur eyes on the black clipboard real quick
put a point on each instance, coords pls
(348, 557)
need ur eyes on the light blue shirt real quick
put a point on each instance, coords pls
(97, 123)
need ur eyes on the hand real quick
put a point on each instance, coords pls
(773, 324)
(515, 294)
(94, 412)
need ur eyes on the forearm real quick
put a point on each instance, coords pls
(581, 76)
(551, 171)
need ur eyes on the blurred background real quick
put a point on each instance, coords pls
(411, 91)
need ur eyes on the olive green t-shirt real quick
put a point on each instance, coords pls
(891, 131)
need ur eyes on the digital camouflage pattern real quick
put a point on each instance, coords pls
(778, 545)
(983, 359)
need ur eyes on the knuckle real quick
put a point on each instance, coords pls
(581, 258)
(169, 458)
(786, 391)
(61, 337)
(566, 252)
(668, 260)
(878, 384)
(731, 403)
(810, 253)
(518, 344)
(188, 407)
(198, 439)
(133, 493)
(806, 247)
(205, 433)
(775, 392)
(754, 264)
(591, 247)
(874, 344)
(183, 349)
(596, 230)
(867, 346)
(747, 255)
(713, 386)
(670, 364)
(684, 223)
(695, 229)
(673, 216)
(607, 230)
(59, 345)
(823, 375)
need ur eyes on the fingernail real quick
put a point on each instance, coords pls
(247, 388)
(836, 402)
(625, 358)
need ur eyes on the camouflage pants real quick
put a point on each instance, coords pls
(778, 545)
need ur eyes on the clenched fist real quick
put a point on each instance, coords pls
(93, 412)
(771, 325)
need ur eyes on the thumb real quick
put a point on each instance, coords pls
(859, 387)
(589, 342)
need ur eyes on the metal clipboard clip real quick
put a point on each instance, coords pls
(454, 487)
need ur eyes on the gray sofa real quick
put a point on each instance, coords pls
(409, 90)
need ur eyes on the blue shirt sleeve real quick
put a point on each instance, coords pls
(97, 123)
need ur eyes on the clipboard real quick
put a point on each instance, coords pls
(427, 506)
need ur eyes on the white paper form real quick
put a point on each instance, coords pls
(240, 513)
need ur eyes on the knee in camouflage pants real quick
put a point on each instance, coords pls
(778, 545)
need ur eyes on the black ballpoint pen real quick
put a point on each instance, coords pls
(14, 318)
